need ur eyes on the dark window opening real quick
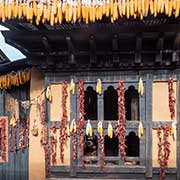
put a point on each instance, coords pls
(90, 104)
(111, 145)
(132, 143)
(110, 104)
(90, 145)
(132, 103)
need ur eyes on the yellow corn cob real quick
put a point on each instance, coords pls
(9, 11)
(127, 9)
(49, 94)
(173, 130)
(123, 8)
(140, 87)
(72, 86)
(170, 8)
(20, 11)
(146, 7)
(100, 12)
(111, 7)
(140, 130)
(99, 87)
(120, 8)
(79, 10)
(86, 15)
(59, 15)
(135, 6)
(34, 8)
(177, 8)
(100, 128)
(6, 10)
(167, 7)
(73, 126)
(89, 130)
(151, 7)
(52, 19)
(74, 14)
(131, 8)
(110, 130)
(155, 8)
(115, 12)
(107, 10)
(68, 130)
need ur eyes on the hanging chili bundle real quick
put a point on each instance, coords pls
(163, 149)
(63, 126)
(81, 118)
(27, 131)
(101, 144)
(22, 133)
(121, 129)
(53, 143)
(73, 132)
(3, 139)
(10, 137)
(44, 135)
(172, 99)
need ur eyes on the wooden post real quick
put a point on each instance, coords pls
(149, 126)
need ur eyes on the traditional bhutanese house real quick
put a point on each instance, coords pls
(91, 100)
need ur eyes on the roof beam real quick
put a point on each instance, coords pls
(92, 48)
(71, 50)
(137, 59)
(115, 49)
(46, 44)
(159, 48)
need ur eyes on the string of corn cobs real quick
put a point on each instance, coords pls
(57, 11)
(120, 129)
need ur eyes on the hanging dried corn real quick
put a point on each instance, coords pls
(49, 94)
(140, 130)
(71, 11)
(73, 133)
(110, 130)
(99, 87)
(81, 119)
(3, 139)
(101, 143)
(72, 87)
(63, 126)
(163, 149)
(140, 87)
(89, 130)
(121, 130)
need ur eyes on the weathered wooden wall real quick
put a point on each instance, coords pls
(16, 168)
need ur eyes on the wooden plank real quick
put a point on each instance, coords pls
(149, 126)
(112, 169)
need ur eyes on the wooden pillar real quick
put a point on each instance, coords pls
(149, 81)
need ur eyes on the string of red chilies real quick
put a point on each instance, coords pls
(3, 139)
(172, 99)
(53, 143)
(121, 129)
(163, 133)
(81, 119)
(101, 147)
(22, 133)
(63, 127)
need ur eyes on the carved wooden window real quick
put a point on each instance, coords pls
(132, 103)
(110, 104)
(90, 103)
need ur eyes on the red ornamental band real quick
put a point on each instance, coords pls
(163, 133)
(81, 118)
(172, 99)
(63, 127)
(3, 139)
(121, 129)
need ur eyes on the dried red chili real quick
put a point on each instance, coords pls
(44, 136)
(75, 143)
(172, 99)
(163, 133)
(81, 119)
(53, 143)
(22, 133)
(10, 138)
(27, 131)
(101, 147)
(121, 129)
(3, 138)
(63, 126)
